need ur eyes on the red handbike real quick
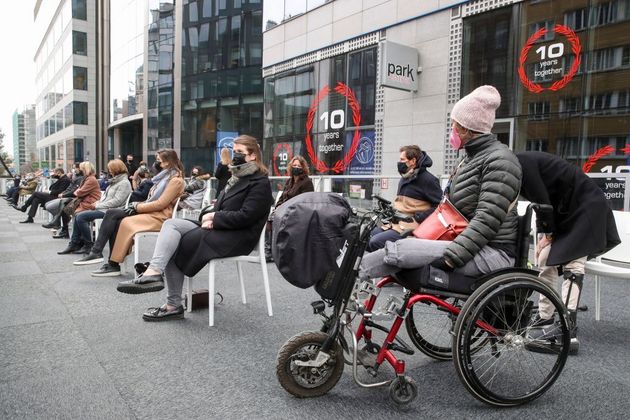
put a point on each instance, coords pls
(481, 323)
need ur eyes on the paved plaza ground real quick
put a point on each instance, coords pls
(72, 347)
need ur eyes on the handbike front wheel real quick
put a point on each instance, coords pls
(304, 381)
(513, 365)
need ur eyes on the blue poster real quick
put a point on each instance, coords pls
(224, 139)
(363, 161)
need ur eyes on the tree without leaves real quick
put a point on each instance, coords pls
(5, 159)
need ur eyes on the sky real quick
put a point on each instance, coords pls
(17, 70)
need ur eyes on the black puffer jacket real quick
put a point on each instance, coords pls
(485, 185)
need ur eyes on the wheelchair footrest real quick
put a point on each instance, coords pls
(366, 358)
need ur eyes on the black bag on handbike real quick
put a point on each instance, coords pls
(309, 239)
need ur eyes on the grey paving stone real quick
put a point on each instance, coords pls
(39, 305)
(18, 268)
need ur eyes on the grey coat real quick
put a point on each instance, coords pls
(116, 193)
(483, 188)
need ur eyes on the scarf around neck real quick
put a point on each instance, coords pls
(240, 171)
(160, 181)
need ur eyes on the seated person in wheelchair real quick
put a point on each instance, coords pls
(120, 225)
(231, 227)
(579, 225)
(484, 188)
(418, 194)
(114, 196)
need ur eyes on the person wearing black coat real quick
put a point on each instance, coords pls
(418, 195)
(298, 183)
(40, 198)
(55, 207)
(580, 225)
(229, 228)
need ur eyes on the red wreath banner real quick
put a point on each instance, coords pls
(341, 164)
(576, 49)
(279, 147)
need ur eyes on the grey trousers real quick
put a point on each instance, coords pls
(162, 260)
(414, 253)
(54, 206)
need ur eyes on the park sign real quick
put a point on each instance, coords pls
(399, 66)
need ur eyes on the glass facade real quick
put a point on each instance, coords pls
(159, 83)
(222, 90)
(321, 111)
(571, 94)
(127, 58)
(278, 11)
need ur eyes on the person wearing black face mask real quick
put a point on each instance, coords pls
(131, 166)
(419, 193)
(298, 183)
(41, 198)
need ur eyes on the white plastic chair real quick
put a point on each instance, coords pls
(613, 264)
(140, 235)
(205, 201)
(96, 223)
(257, 256)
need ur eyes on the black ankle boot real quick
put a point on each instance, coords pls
(72, 247)
(28, 220)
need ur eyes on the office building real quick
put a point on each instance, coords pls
(24, 139)
(407, 63)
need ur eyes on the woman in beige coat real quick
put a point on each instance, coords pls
(120, 226)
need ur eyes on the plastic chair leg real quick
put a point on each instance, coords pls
(211, 268)
(598, 290)
(267, 291)
(239, 269)
(189, 293)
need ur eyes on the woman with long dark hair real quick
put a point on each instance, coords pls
(229, 228)
(120, 225)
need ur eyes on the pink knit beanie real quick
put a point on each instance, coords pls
(476, 111)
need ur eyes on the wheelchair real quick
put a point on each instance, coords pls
(482, 324)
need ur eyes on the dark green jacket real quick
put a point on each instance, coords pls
(484, 186)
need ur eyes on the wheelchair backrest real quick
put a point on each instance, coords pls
(523, 239)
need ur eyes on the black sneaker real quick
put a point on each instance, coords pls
(51, 226)
(109, 269)
(142, 284)
(91, 258)
(28, 220)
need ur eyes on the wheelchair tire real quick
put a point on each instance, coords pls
(430, 328)
(305, 382)
(509, 367)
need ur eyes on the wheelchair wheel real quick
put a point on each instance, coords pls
(509, 367)
(430, 328)
(303, 381)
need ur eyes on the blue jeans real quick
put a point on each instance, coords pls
(81, 232)
(379, 237)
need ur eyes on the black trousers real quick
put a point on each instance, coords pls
(108, 230)
(37, 199)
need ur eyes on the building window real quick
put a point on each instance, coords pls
(79, 111)
(79, 9)
(598, 104)
(603, 13)
(548, 25)
(569, 106)
(79, 43)
(79, 80)
(576, 19)
(536, 145)
(78, 150)
(538, 110)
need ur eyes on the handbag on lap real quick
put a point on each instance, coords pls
(444, 224)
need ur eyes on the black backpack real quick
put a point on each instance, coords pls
(309, 232)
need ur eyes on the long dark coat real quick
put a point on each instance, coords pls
(582, 222)
(240, 216)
